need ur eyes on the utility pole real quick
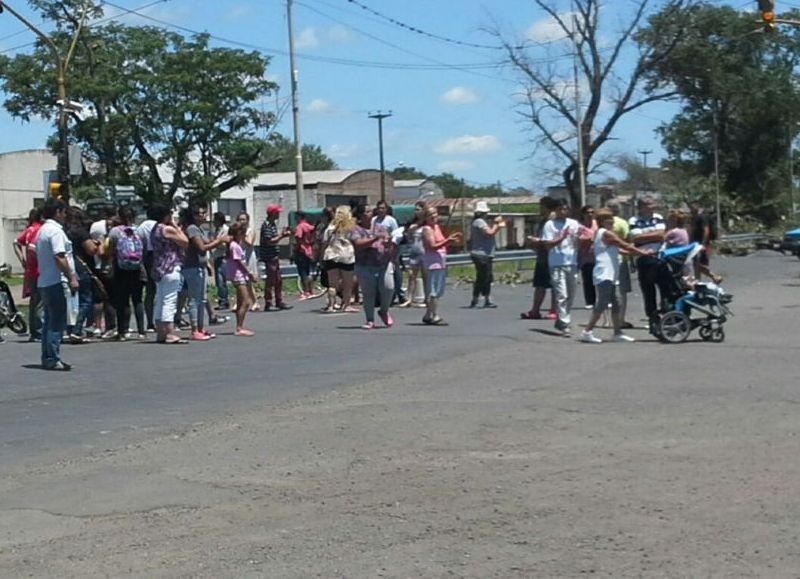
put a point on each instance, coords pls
(791, 128)
(298, 145)
(62, 64)
(578, 112)
(716, 167)
(380, 116)
(644, 155)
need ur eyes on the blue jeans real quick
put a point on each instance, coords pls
(85, 303)
(35, 314)
(196, 284)
(221, 282)
(55, 323)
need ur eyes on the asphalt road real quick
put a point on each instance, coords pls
(488, 448)
(120, 392)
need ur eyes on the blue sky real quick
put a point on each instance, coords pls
(452, 110)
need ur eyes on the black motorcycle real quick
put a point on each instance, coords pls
(9, 315)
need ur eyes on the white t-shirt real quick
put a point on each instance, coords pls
(143, 231)
(606, 260)
(565, 253)
(389, 222)
(51, 242)
(98, 231)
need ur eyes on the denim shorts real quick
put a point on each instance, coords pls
(436, 283)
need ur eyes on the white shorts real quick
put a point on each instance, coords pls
(166, 302)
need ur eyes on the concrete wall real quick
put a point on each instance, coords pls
(21, 185)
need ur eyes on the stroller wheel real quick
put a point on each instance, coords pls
(718, 335)
(17, 324)
(675, 327)
(706, 333)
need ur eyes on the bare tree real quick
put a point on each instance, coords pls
(549, 98)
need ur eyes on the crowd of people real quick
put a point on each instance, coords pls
(85, 279)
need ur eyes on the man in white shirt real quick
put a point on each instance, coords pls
(56, 277)
(560, 237)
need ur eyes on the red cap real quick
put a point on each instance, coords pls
(273, 209)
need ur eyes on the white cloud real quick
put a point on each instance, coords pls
(338, 33)
(344, 151)
(454, 166)
(307, 39)
(469, 144)
(315, 37)
(240, 11)
(547, 29)
(320, 107)
(460, 95)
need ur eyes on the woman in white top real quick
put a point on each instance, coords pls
(605, 276)
(248, 244)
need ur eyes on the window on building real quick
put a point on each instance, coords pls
(231, 207)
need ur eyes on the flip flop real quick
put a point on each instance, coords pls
(178, 341)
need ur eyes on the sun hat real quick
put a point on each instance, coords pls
(482, 207)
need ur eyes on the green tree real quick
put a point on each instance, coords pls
(163, 112)
(278, 156)
(738, 92)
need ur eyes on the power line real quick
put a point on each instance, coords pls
(400, 48)
(420, 31)
(326, 59)
(94, 23)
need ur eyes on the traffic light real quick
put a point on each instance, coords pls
(767, 8)
(56, 190)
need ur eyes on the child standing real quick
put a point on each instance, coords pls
(241, 278)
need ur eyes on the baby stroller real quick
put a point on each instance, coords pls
(9, 315)
(691, 304)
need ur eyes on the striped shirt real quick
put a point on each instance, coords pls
(268, 251)
(641, 225)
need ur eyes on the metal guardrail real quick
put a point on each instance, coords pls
(290, 270)
(522, 254)
(742, 237)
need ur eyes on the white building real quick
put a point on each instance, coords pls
(320, 189)
(23, 180)
(407, 191)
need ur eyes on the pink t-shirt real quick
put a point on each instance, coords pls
(435, 258)
(235, 266)
(586, 243)
(306, 236)
(676, 237)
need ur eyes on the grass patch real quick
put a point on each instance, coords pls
(13, 279)
(501, 269)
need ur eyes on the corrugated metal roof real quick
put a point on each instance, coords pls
(309, 178)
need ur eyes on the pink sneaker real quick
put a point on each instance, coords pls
(200, 337)
(387, 319)
(368, 326)
(552, 316)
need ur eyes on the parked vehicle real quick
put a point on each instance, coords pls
(791, 242)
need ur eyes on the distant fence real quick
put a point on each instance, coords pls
(524, 254)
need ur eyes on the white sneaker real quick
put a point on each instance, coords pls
(590, 338)
(622, 338)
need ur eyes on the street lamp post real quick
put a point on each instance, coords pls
(62, 64)
(379, 116)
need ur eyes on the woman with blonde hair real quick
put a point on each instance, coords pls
(338, 259)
